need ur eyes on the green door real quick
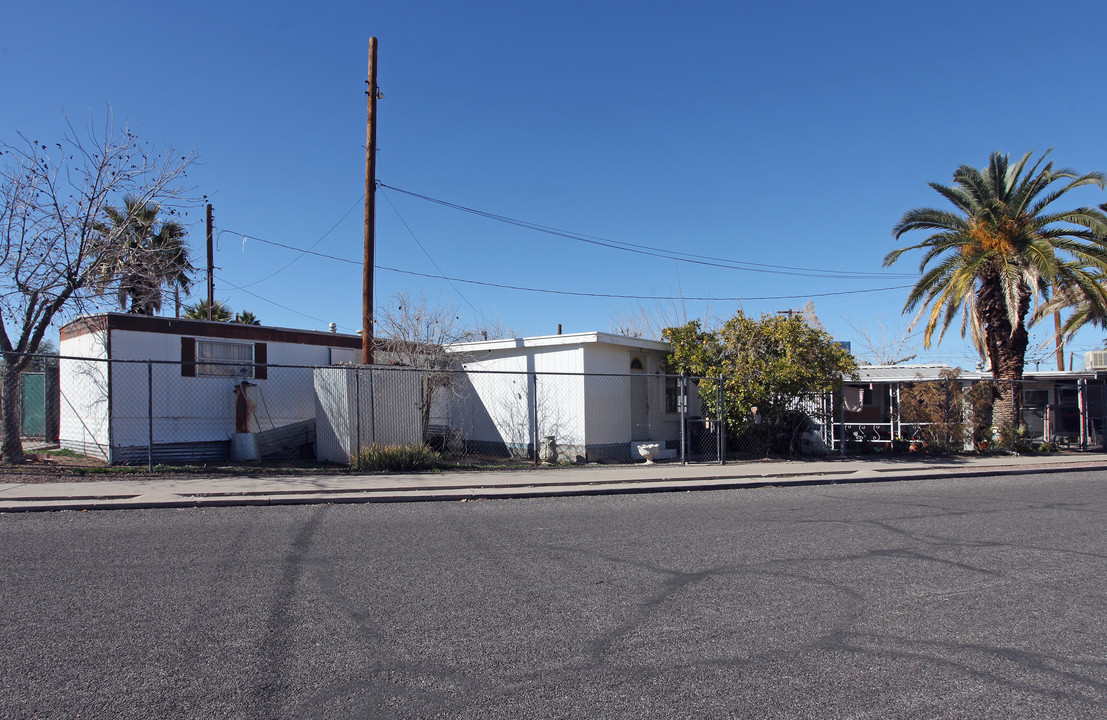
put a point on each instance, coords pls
(34, 405)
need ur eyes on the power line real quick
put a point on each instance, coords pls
(653, 251)
(572, 293)
(436, 267)
(273, 302)
(321, 239)
(639, 297)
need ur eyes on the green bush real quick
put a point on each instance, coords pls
(396, 458)
(1014, 439)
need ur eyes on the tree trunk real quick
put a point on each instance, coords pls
(1006, 348)
(12, 447)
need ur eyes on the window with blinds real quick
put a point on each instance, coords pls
(224, 359)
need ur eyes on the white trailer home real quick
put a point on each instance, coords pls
(132, 384)
(593, 395)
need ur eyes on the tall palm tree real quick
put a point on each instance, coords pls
(219, 311)
(1003, 249)
(150, 253)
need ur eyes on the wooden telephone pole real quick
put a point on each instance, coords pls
(211, 261)
(370, 208)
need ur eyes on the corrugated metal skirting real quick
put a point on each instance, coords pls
(173, 452)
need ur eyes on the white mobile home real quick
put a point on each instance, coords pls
(132, 383)
(589, 394)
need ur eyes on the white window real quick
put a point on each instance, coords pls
(225, 359)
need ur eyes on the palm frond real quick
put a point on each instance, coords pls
(1003, 251)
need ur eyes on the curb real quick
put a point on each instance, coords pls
(522, 491)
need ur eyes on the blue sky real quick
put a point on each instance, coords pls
(790, 134)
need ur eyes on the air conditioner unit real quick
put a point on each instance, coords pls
(1095, 360)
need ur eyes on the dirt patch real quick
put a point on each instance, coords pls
(43, 468)
(52, 467)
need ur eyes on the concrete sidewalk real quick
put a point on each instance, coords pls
(537, 482)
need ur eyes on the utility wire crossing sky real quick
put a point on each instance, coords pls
(710, 156)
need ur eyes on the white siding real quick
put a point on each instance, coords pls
(560, 398)
(589, 406)
(607, 418)
(146, 371)
(499, 407)
(609, 398)
(202, 408)
(495, 407)
(83, 384)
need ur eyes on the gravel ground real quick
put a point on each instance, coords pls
(46, 467)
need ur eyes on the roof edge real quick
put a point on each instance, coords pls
(88, 324)
(538, 341)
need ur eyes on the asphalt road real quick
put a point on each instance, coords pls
(974, 598)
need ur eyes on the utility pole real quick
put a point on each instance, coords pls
(370, 208)
(211, 263)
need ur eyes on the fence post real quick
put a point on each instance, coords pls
(357, 415)
(841, 420)
(1082, 405)
(721, 423)
(1102, 415)
(534, 416)
(46, 436)
(150, 415)
(683, 407)
(372, 374)
(891, 418)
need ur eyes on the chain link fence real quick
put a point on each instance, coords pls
(208, 410)
(150, 412)
(954, 414)
(31, 396)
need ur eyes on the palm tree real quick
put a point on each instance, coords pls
(245, 317)
(219, 311)
(1002, 250)
(1083, 310)
(149, 253)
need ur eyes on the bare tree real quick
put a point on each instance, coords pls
(888, 345)
(811, 317)
(646, 322)
(54, 246)
(415, 332)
